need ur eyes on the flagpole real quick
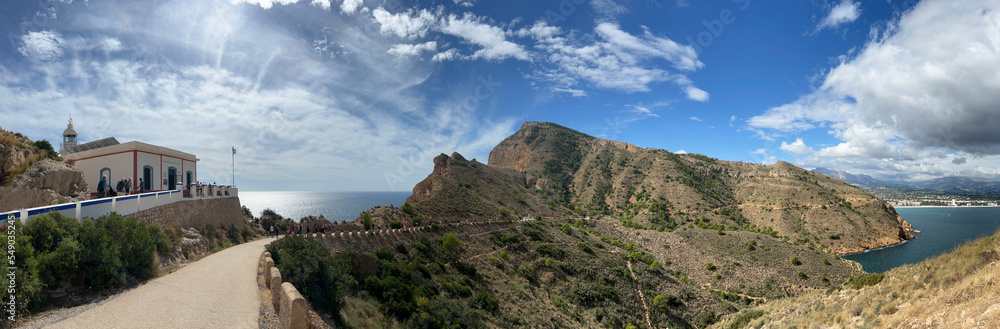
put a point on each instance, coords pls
(234, 166)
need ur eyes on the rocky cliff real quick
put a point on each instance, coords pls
(31, 178)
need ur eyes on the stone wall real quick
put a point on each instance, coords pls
(219, 212)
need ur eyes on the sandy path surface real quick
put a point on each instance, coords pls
(218, 291)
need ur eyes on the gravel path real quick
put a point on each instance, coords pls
(218, 291)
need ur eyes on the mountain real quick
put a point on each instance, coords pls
(850, 178)
(31, 175)
(548, 170)
(678, 239)
(960, 184)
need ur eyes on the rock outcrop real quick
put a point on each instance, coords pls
(45, 183)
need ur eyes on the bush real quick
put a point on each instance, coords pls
(164, 245)
(802, 275)
(366, 220)
(450, 243)
(396, 224)
(551, 251)
(417, 220)
(309, 266)
(795, 261)
(138, 249)
(752, 245)
(869, 279)
(709, 266)
(486, 302)
(744, 318)
(408, 208)
(665, 302)
(234, 234)
(826, 261)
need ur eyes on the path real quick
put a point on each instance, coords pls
(641, 297)
(218, 291)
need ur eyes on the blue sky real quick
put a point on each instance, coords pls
(358, 95)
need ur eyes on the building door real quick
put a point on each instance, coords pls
(147, 178)
(172, 178)
(188, 179)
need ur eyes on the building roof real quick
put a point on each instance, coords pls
(90, 146)
(127, 147)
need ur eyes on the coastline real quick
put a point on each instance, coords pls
(900, 207)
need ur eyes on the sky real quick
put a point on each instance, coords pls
(360, 95)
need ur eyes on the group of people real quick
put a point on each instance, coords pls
(124, 187)
(301, 229)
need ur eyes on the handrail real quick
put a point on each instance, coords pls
(123, 205)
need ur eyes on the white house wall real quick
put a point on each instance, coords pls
(120, 165)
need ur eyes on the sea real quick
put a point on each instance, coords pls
(335, 206)
(942, 229)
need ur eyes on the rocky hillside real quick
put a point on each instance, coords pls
(31, 175)
(548, 170)
(659, 189)
(954, 290)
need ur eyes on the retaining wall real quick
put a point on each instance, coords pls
(196, 213)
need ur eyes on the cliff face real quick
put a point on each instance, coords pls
(551, 170)
(30, 179)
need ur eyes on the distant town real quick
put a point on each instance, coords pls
(906, 197)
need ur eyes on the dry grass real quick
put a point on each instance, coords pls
(955, 290)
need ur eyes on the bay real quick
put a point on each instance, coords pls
(335, 206)
(943, 229)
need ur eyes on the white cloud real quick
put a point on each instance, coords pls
(410, 24)
(465, 3)
(927, 82)
(847, 11)
(608, 8)
(325, 4)
(571, 92)
(759, 151)
(695, 119)
(350, 6)
(447, 55)
(683, 3)
(492, 39)
(681, 152)
(616, 60)
(695, 94)
(408, 50)
(267, 4)
(732, 119)
(643, 111)
(798, 147)
(43, 45)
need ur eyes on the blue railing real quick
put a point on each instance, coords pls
(123, 205)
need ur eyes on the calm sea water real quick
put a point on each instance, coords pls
(337, 206)
(943, 230)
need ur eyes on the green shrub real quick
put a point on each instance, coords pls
(457, 289)
(138, 250)
(384, 254)
(709, 266)
(868, 279)
(802, 275)
(664, 302)
(826, 261)
(27, 289)
(99, 256)
(450, 243)
(744, 318)
(551, 251)
(408, 208)
(417, 220)
(234, 234)
(396, 224)
(752, 245)
(486, 302)
(164, 246)
(591, 295)
(309, 266)
(366, 219)
(527, 273)
(795, 261)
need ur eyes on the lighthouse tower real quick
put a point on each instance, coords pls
(69, 137)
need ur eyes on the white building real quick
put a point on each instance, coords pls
(160, 168)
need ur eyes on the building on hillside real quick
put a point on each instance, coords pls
(159, 167)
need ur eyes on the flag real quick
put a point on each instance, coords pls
(234, 150)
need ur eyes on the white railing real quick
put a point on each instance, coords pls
(123, 205)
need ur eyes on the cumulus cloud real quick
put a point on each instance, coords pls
(409, 24)
(925, 82)
(43, 45)
(681, 152)
(492, 39)
(408, 50)
(267, 4)
(695, 119)
(845, 12)
(798, 147)
(350, 6)
(959, 160)
(447, 55)
(616, 60)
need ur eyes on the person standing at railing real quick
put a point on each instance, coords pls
(101, 186)
(128, 185)
(141, 188)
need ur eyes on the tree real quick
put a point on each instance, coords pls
(407, 208)
(450, 243)
(45, 146)
(366, 220)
